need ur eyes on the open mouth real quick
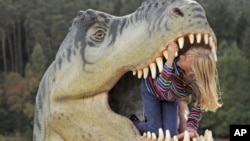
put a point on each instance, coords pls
(184, 42)
(129, 100)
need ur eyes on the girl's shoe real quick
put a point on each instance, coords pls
(133, 118)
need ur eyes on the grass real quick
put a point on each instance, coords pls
(221, 139)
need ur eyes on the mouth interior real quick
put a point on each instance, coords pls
(124, 97)
(184, 42)
(200, 40)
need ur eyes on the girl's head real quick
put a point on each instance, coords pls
(199, 66)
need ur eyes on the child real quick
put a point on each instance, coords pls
(192, 73)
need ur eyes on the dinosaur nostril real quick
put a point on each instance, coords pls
(79, 13)
(178, 12)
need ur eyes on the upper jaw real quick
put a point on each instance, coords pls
(184, 42)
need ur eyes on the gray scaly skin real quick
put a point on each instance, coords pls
(72, 100)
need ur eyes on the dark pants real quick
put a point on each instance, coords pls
(159, 113)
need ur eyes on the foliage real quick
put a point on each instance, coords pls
(12, 103)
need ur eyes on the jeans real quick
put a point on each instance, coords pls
(159, 113)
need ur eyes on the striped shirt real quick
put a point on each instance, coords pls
(169, 85)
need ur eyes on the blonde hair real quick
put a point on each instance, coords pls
(206, 86)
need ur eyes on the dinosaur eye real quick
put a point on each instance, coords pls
(99, 35)
(178, 12)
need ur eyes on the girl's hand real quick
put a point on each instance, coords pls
(172, 49)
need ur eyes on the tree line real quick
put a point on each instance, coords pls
(32, 30)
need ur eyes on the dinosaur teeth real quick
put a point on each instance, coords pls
(145, 72)
(210, 41)
(148, 135)
(161, 134)
(196, 140)
(167, 135)
(181, 42)
(161, 137)
(153, 70)
(213, 47)
(175, 138)
(206, 39)
(191, 38)
(134, 72)
(214, 51)
(139, 74)
(198, 38)
(165, 54)
(159, 62)
(154, 136)
(186, 136)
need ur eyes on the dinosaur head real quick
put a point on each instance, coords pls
(100, 48)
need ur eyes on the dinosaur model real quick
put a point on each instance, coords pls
(72, 99)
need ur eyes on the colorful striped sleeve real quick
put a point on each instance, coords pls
(194, 117)
(168, 87)
(161, 86)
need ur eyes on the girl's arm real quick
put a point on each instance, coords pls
(171, 50)
(193, 118)
(192, 123)
(183, 109)
(163, 83)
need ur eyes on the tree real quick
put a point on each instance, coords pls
(220, 22)
(117, 7)
(5, 24)
(3, 39)
(34, 71)
(11, 115)
(240, 27)
(246, 43)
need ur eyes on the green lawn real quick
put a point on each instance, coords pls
(221, 139)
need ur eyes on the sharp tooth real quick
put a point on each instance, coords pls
(148, 135)
(198, 38)
(154, 138)
(195, 139)
(139, 74)
(161, 135)
(181, 42)
(186, 136)
(206, 39)
(191, 38)
(159, 62)
(145, 72)
(176, 54)
(167, 135)
(153, 70)
(134, 72)
(165, 54)
(211, 41)
(175, 138)
(214, 52)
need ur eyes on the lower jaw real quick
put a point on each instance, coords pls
(121, 124)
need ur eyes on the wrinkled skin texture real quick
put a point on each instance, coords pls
(72, 99)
